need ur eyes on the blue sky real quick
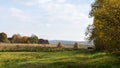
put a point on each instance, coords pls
(49, 19)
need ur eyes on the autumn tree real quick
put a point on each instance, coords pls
(3, 38)
(25, 39)
(16, 38)
(105, 30)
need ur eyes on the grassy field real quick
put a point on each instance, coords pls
(61, 59)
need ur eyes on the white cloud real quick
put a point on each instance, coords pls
(51, 1)
(67, 12)
(48, 25)
(44, 1)
(58, 10)
(60, 1)
(1, 9)
(20, 15)
(26, 2)
(14, 14)
(16, 11)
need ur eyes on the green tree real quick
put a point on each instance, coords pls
(105, 30)
(34, 39)
(3, 38)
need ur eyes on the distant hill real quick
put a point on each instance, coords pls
(70, 42)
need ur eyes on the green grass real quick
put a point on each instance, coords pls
(62, 59)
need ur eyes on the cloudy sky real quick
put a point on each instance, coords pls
(49, 19)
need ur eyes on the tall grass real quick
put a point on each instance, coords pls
(34, 47)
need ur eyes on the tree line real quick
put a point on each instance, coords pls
(17, 38)
(105, 30)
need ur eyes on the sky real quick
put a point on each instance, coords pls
(48, 19)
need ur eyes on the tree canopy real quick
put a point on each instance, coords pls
(3, 38)
(105, 30)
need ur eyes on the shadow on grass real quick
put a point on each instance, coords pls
(69, 65)
(53, 65)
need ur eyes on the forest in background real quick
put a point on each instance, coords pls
(17, 38)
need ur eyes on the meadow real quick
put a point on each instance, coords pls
(52, 57)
